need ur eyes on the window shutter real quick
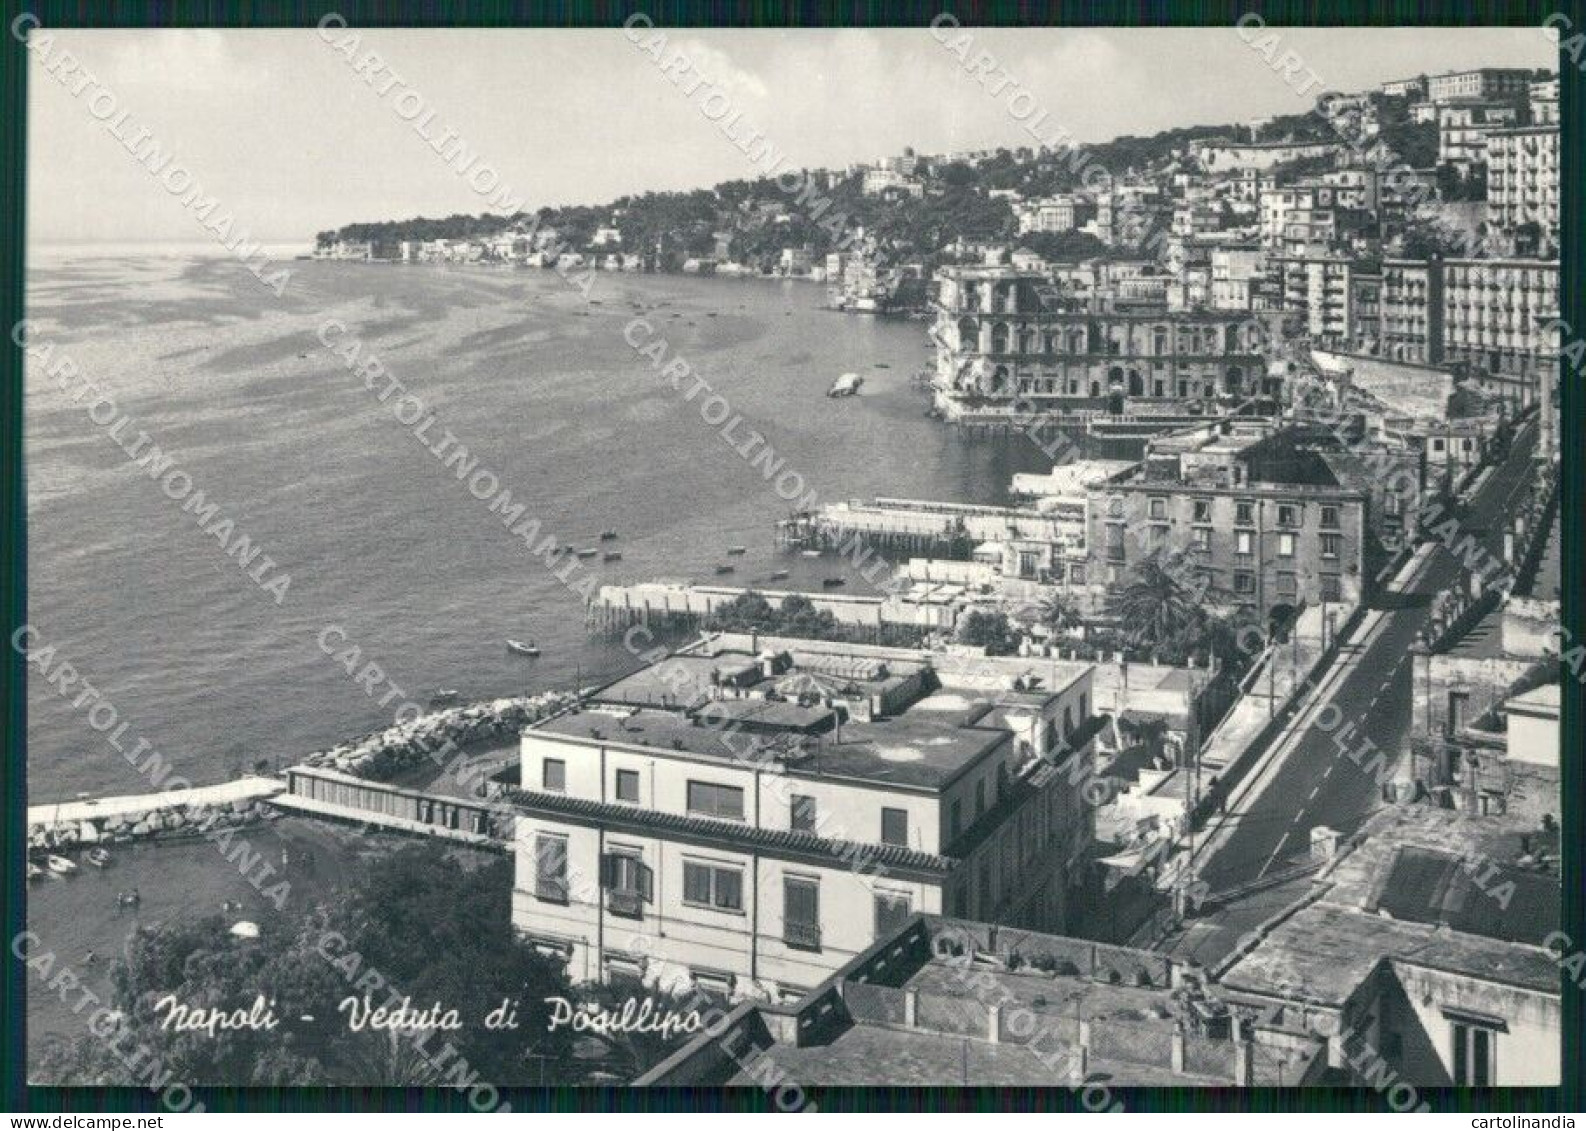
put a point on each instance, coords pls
(646, 882)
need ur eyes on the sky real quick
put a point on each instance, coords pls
(278, 127)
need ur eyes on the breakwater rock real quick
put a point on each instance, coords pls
(116, 820)
(385, 753)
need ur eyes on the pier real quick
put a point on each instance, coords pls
(934, 529)
(927, 606)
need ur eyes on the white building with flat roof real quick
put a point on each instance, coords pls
(749, 816)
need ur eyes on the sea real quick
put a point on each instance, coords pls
(383, 544)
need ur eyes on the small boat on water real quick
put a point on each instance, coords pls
(810, 553)
(60, 865)
(445, 697)
(518, 647)
(611, 556)
(882, 365)
(98, 856)
(721, 569)
(737, 551)
(608, 535)
(780, 575)
(834, 582)
(846, 386)
(588, 552)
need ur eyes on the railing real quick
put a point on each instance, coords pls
(802, 936)
(628, 904)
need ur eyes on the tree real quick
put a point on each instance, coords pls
(1159, 607)
(798, 616)
(1064, 247)
(433, 929)
(747, 612)
(990, 631)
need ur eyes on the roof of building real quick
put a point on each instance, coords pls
(1470, 895)
(884, 717)
(872, 1055)
(1043, 995)
(1542, 700)
(1423, 886)
(926, 747)
(1323, 952)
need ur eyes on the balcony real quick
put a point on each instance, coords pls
(802, 936)
(628, 904)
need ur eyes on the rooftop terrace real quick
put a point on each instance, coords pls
(867, 714)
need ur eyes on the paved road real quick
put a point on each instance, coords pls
(1365, 700)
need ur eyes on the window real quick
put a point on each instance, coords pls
(892, 911)
(1473, 1054)
(1158, 508)
(1331, 589)
(1203, 538)
(1159, 533)
(1115, 542)
(712, 800)
(1287, 516)
(1203, 510)
(1244, 583)
(1288, 585)
(553, 775)
(1330, 544)
(1437, 445)
(803, 817)
(1285, 545)
(801, 913)
(709, 885)
(1244, 542)
(550, 868)
(1330, 518)
(1458, 701)
(628, 786)
(627, 883)
(895, 827)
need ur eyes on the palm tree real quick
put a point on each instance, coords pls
(1159, 607)
(1055, 614)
